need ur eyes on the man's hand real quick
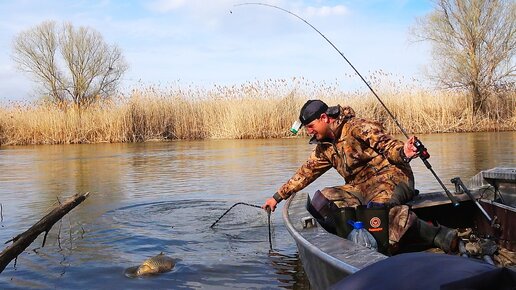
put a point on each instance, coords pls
(409, 148)
(270, 203)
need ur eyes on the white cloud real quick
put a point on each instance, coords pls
(326, 11)
(193, 7)
(163, 6)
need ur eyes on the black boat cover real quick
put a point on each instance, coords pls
(429, 271)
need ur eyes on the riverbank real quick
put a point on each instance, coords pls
(250, 111)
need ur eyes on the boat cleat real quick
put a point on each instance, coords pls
(308, 222)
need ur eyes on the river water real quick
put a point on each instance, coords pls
(162, 197)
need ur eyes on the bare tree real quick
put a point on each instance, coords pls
(474, 44)
(73, 65)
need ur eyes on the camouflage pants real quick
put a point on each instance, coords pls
(378, 189)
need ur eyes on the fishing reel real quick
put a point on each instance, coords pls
(421, 150)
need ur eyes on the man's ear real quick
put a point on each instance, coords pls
(325, 118)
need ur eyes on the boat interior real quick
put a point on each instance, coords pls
(485, 223)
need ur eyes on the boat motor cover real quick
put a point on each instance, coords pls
(412, 271)
(323, 210)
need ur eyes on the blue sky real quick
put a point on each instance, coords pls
(202, 43)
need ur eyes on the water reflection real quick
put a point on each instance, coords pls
(289, 268)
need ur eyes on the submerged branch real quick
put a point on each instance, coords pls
(23, 240)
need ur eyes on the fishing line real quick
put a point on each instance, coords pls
(251, 205)
(422, 151)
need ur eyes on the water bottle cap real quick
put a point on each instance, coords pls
(358, 225)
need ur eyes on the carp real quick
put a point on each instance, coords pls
(160, 263)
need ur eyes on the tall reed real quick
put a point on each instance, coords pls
(260, 109)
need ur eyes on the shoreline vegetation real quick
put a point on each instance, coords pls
(254, 110)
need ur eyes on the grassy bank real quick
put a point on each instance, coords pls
(252, 110)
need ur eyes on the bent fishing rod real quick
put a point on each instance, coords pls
(421, 149)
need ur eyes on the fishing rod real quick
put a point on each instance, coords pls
(421, 149)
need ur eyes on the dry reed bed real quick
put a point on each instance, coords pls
(252, 110)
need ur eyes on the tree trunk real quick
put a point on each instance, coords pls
(478, 100)
(23, 240)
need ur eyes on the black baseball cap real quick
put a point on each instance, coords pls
(312, 110)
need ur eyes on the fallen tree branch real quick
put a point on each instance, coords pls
(23, 240)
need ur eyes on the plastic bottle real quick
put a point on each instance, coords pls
(361, 236)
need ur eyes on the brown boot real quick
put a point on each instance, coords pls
(447, 239)
(440, 236)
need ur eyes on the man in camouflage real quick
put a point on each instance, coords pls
(374, 165)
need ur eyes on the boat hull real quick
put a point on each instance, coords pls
(326, 258)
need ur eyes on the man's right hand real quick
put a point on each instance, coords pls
(270, 203)
(409, 149)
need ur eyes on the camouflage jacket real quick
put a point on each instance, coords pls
(360, 151)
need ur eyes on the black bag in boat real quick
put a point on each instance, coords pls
(376, 221)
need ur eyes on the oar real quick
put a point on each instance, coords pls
(460, 184)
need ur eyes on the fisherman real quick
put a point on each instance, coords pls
(375, 167)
